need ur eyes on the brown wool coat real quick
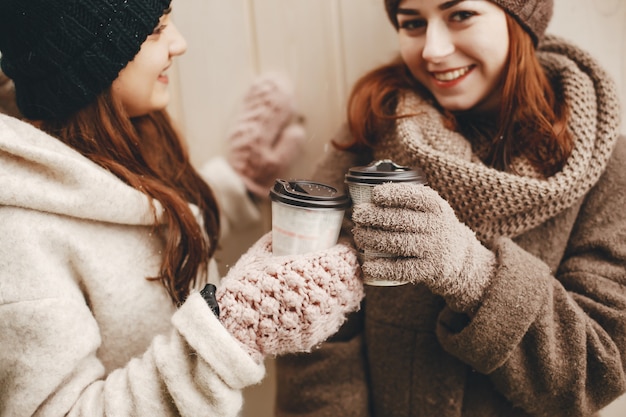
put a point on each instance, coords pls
(550, 347)
(548, 340)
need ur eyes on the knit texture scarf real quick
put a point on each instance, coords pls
(496, 203)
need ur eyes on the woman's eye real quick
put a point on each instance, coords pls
(412, 24)
(461, 16)
(159, 29)
(163, 22)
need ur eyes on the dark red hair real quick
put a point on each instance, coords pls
(148, 154)
(532, 120)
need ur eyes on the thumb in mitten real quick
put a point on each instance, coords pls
(284, 304)
(430, 245)
(267, 133)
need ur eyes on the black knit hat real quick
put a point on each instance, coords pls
(62, 53)
(533, 15)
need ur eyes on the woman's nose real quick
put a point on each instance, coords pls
(178, 45)
(439, 42)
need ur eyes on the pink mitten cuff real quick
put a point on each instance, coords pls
(285, 304)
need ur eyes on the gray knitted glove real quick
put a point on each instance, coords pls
(286, 304)
(431, 246)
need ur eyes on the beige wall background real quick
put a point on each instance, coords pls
(323, 46)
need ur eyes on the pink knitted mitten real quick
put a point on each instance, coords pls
(267, 135)
(430, 244)
(284, 304)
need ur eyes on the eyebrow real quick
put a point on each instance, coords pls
(442, 6)
(168, 10)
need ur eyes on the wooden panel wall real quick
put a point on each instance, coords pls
(324, 46)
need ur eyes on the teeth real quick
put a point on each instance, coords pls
(451, 75)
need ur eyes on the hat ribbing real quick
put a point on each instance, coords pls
(62, 53)
(533, 15)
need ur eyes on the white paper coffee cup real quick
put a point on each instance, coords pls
(306, 216)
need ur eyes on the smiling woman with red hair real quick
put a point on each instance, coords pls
(509, 265)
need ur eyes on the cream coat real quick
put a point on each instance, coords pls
(82, 331)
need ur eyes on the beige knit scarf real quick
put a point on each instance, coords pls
(495, 203)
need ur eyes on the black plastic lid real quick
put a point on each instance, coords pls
(308, 194)
(385, 170)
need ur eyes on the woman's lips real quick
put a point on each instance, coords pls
(451, 78)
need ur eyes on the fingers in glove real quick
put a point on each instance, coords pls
(462, 289)
(392, 219)
(393, 243)
(400, 269)
(425, 269)
(411, 196)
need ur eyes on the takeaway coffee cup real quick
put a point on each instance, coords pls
(306, 216)
(361, 180)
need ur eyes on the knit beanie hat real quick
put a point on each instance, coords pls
(533, 15)
(62, 53)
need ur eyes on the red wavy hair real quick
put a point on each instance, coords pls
(148, 154)
(532, 121)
